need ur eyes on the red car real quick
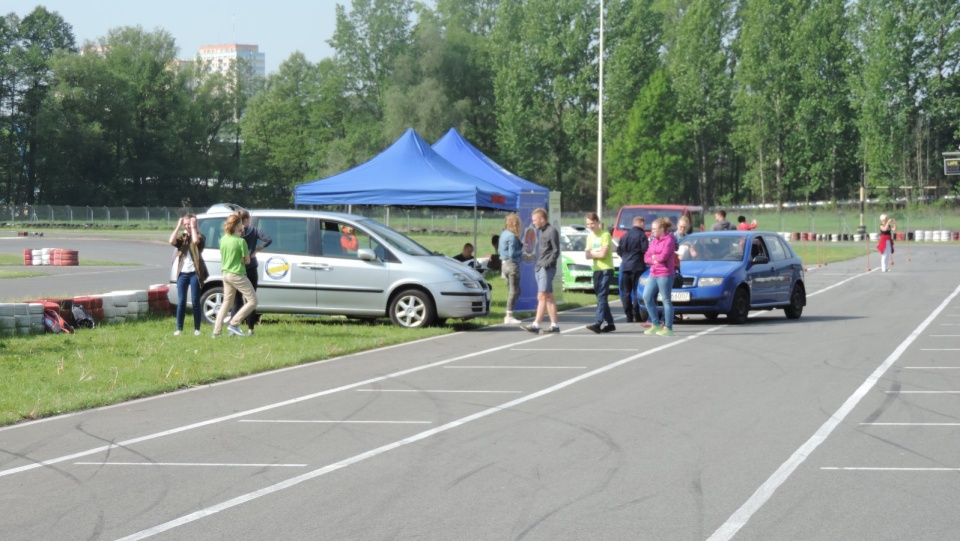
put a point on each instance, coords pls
(652, 212)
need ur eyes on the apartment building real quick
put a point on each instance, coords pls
(220, 58)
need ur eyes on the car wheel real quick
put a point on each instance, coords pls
(798, 298)
(210, 301)
(740, 307)
(711, 316)
(412, 309)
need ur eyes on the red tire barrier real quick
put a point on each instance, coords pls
(955, 235)
(158, 301)
(92, 305)
(796, 236)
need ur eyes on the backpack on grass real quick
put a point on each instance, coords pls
(54, 323)
(81, 318)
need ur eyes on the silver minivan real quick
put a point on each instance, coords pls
(309, 270)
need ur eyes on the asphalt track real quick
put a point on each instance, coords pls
(842, 425)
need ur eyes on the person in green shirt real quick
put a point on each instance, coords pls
(599, 249)
(234, 256)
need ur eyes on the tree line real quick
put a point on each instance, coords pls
(705, 102)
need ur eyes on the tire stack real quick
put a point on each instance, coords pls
(127, 305)
(115, 307)
(8, 324)
(159, 303)
(65, 258)
(92, 305)
(51, 256)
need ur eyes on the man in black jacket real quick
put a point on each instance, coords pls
(631, 249)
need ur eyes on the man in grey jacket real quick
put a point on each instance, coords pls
(548, 252)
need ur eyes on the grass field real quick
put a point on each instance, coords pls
(51, 374)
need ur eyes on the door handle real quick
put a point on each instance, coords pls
(315, 266)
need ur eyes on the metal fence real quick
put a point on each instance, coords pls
(450, 221)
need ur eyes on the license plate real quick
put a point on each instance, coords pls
(677, 296)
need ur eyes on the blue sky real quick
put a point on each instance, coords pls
(279, 27)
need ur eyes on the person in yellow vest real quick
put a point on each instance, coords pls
(600, 250)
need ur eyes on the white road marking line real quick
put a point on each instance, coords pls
(910, 424)
(190, 464)
(431, 391)
(740, 517)
(570, 349)
(337, 422)
(239, 500)
(932, 367)
(890, 469)
(268, 407)
(531, 367)
(922, 392)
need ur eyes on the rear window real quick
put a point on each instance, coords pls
(212, 230)
(649, 215)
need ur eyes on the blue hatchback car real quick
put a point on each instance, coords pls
(733, 272)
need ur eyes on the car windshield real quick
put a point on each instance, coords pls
(649, 215)
(395, 239)
(711, 248)
(573, 243)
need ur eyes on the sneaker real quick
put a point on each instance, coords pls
(629, 318)
(235, 330)
(176, 332)
(535, 329)
(214, 335)
(196, 332)
(250, 332)
(609, 328)
(510, 320)
(654, 329)
(665, 332)
(595, 328)
(553, 328)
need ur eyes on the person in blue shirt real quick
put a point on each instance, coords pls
(509, 249)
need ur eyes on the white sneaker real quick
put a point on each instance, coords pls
(510, 320)
(176, 333)
(196, 332)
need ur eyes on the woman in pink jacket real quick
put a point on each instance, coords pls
(661, 259)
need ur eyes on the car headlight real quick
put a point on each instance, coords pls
(468, 282)
(710, 281)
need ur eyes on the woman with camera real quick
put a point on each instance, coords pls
(885, 246)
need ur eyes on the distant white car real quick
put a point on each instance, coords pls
(577, 269)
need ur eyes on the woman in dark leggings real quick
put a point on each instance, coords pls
(252, 235)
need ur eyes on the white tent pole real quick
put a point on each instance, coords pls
(475, 248)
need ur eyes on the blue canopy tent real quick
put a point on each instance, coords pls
(467, 157)
(408, 173)
(464, 155)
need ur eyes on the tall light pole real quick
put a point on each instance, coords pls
(600, 126)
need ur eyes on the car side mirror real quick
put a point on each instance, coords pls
(760, 260)
(366, 254)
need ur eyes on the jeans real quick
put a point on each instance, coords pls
(628, 292)
(601, 285)
(185, 280)
(511, 271)
(663, 285)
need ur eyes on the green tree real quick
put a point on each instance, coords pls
(40, 35)
(649, 158)
(696, 36)
(823, 145)
(546, 91)
(767, 92)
